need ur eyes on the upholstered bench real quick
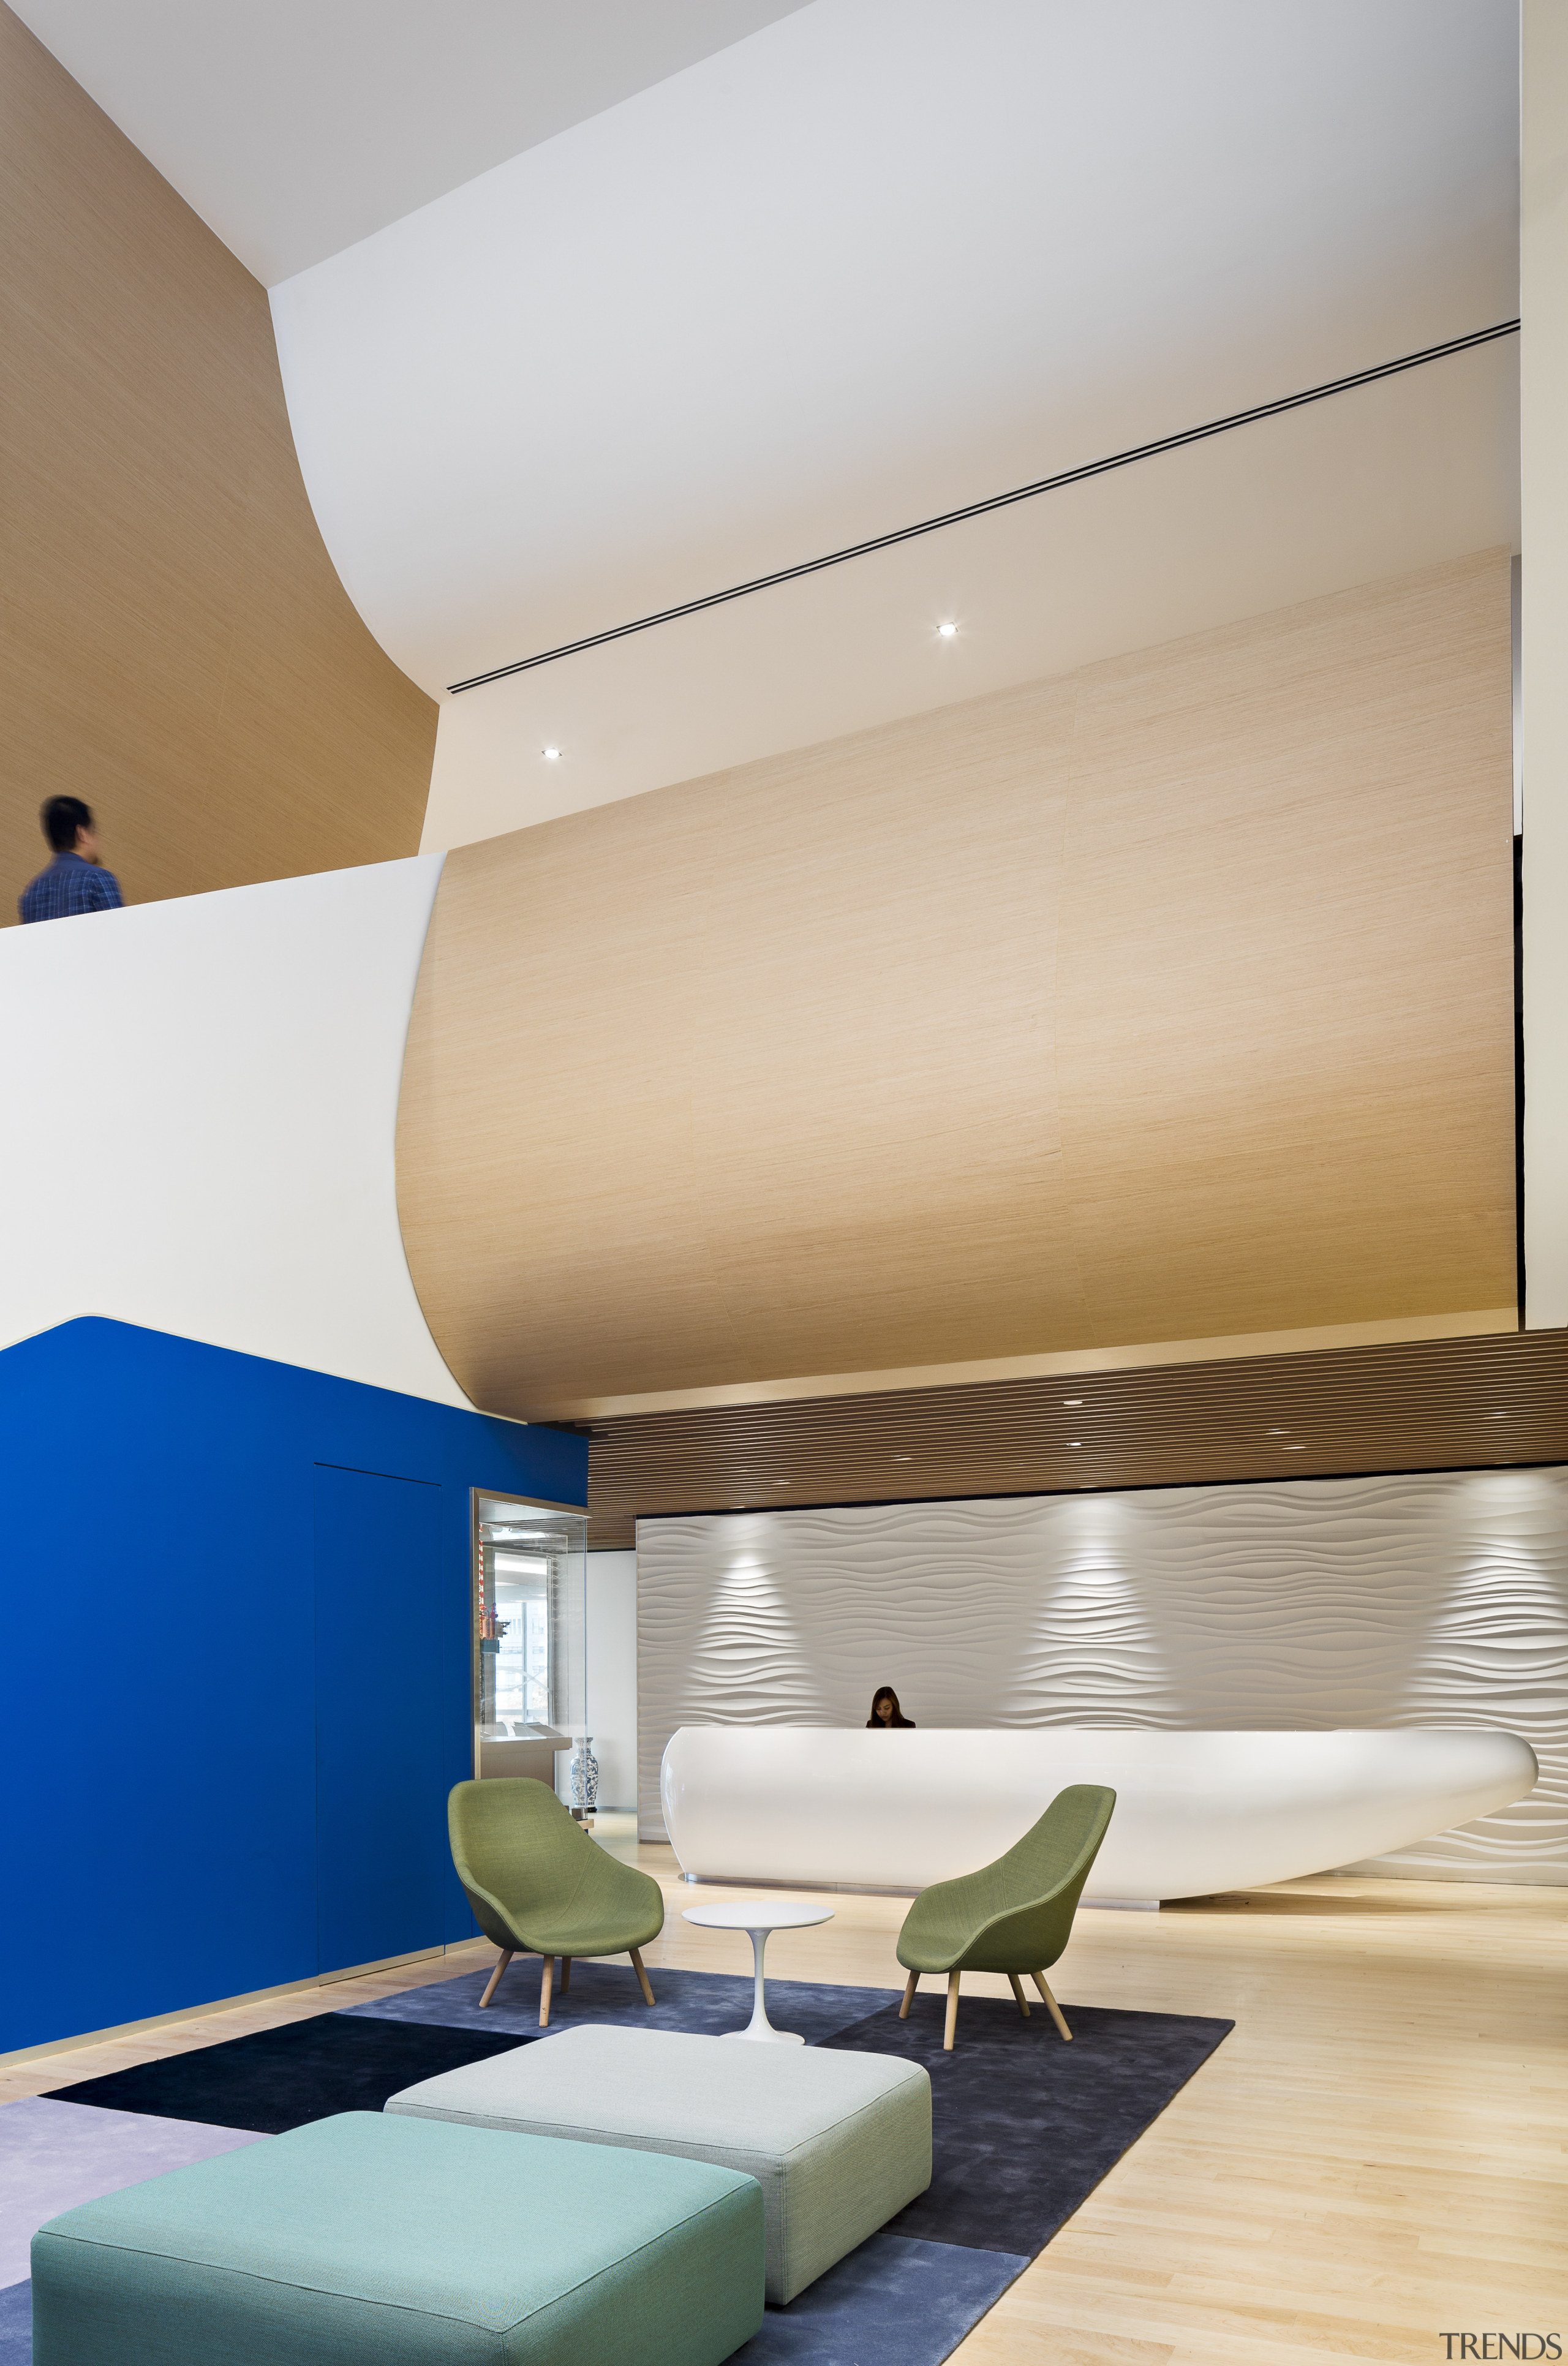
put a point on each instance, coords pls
(837, 2141)
(383, 2241)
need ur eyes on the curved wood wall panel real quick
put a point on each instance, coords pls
(1169, 1000)
(174, 644)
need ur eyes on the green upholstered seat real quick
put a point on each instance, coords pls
(366, 2240)
(1014, 1915)
(539, 1885)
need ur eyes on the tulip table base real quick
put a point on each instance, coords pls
(757, 1917)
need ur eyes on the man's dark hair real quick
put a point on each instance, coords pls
(61, 818)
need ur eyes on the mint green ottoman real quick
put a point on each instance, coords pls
(837, 2141)
(368, 2240)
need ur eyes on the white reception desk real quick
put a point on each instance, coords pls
(1195, 1812)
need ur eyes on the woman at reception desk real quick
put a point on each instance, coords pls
(1197, 1812)
(885, 1711)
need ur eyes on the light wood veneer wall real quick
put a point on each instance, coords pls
(174, 644)
(1169, 1000)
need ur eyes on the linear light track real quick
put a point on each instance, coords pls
(999, 501)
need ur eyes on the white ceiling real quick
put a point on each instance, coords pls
(881, 258)
(297, 128)
(783, 278)
(1376, 483)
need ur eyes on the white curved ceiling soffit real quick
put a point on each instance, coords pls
(881, 258)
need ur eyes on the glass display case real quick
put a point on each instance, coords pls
(530, 1624)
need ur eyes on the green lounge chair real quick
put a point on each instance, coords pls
(540, 1885)
(1013, 1916)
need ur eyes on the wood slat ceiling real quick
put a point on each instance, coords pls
(1434, 1406)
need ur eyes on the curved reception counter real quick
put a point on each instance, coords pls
(1195, 1812)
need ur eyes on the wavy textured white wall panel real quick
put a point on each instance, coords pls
(1408, 1601)
(202, 1099)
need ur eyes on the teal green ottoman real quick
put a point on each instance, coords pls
(370, 2240)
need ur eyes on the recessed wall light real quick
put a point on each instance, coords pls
(552, 753)
(1278, 1433)
(1075, 1441)
(903, 1458)
(947, 631)
(1072, 1401)
(1294, 1449)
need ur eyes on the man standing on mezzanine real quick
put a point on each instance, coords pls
(75, 881)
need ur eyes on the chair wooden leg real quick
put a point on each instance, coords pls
(908, 1996)
(495, 1977)
(565, 1974)
(546, 1984)
(1051, 2007)
(952, 2012)
(1018, 1991)
(642, 1977)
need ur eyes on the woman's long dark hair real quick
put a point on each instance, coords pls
(886, 1692)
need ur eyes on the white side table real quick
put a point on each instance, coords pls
(758, 1916)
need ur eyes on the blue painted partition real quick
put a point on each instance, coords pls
(234, 1672)
(380, 1852)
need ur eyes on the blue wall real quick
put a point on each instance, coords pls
(234, 1684)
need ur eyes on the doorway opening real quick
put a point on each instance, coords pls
(530, 1623)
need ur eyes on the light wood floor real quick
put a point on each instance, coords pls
(1378, 2155)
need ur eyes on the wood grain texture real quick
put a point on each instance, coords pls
(174, 644)
(1169, 1000)
(1374, 2153)
(1445, 1404)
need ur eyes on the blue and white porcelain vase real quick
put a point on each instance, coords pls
(584, 1774)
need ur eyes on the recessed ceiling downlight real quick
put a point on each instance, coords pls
(947, 631)
(553, 754)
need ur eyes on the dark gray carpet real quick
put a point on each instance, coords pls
(1024, 2124)
(705, 2004)
(278, 2079)
(16, 2325)
(892, 2302)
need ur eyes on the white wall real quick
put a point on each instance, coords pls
(201, 1101)
(612, 1673)
(1438, 1600)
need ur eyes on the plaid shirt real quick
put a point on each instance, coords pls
(69, 885)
